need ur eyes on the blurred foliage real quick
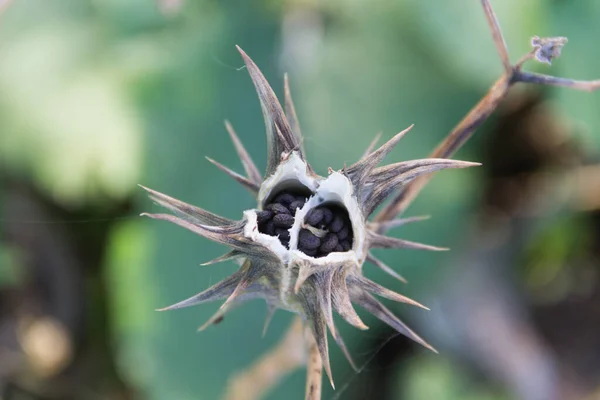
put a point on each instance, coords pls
(429, 378)
(10, 273)
(96, 96)
(553, 254)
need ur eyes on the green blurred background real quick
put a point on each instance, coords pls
(99, 95)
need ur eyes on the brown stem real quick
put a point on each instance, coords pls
(454, 141)
(260, 377)
(548, 80)
(497, 35)
(4, 5)
(314, 369)
(524, 59)
(480, 113)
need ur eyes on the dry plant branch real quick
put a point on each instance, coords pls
(314, 369)
(4, 5)
(545, 49)
(549, 80)
(289, 355)
(497, 35)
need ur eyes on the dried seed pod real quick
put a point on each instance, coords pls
(305, 244)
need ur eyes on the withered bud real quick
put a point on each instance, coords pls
(548, 48)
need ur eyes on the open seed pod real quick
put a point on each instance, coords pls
(303, 247)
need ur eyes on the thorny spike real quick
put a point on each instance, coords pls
(274, 118)
(234, 240)
(340, 342)
(320, 334)
(245, 182)
(405, 170)
(372, 145)
(375, 288)
(387, 242)
(215, 318)
(249, 277)
(193, 214)
(316, 320)
(239, 289)
(234, 229)
(202, 230)
(305, 271)
(282, 138)
(290, 110)
(323, 289)
(218, 291)
(359, 172)
(249, 166)
(369, 303)
(395, 223)
(341, 301)
(270, 312)
(231, 255)
(385, 180)
(385, 268)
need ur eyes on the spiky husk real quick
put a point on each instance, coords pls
(282, 275)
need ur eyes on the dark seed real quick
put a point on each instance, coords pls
(278, 208)
(308, 241)
(283, 198)
(310, 252)
(327, 216)
(295, 204)
(343, 233)
(283, 234)
(314, 216)
(337, 224)
(283, 221)
(262, 216)
(345, 245)
(218, 320)
(328, 243)
(338, 248)
(270, 228)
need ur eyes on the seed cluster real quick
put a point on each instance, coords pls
(331, 231)
(278, 216)
(326, 228)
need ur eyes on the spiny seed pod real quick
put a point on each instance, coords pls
(304, 246)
